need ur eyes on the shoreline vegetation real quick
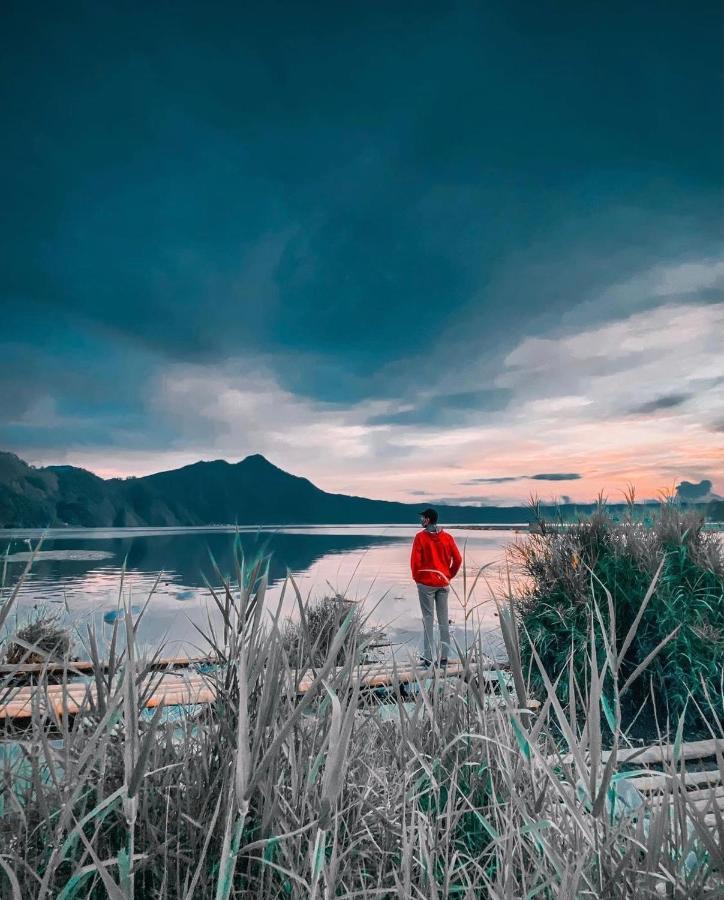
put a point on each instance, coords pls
(439, 794)
(665, 577)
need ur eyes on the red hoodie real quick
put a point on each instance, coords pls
(435, 558)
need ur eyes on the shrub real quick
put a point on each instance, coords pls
(573, 573)
(42, 639)
(307, 640)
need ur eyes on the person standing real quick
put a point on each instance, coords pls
(435, 561)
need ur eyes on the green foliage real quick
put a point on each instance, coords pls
(568, 572)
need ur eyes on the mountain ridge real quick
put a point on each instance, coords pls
(251, 491)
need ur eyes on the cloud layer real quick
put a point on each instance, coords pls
(571, 405)
(405, 254)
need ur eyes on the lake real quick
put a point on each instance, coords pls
(78, 575)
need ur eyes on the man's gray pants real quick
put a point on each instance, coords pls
(434, 600)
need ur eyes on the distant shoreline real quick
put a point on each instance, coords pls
(140, 530)
(69, 532)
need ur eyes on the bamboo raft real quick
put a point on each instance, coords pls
(186, 688)
(703, 788)
(657, 754)
(87, 666)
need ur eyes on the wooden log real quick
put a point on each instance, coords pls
(662, 781)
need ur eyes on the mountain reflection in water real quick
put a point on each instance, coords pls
(367, 563)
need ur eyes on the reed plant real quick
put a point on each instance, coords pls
(667, 576)
(43, 637)
(271, 793)
(309, 635)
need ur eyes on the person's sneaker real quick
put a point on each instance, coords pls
(443, 663)
(424, 663)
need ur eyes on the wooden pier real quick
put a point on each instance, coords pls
(183, 687)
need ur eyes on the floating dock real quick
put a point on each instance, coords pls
(183, 687)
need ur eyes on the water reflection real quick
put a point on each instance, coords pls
(79, 574)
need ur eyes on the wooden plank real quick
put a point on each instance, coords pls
(189, 695)
(658, 754)
(665, 752)
(186, 688)
(713, 791)
(703, 804)
(385, 675)
(86, 666)
(663, 780)
(72, 698)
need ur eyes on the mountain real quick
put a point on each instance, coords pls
(255, 491)
(250, 492)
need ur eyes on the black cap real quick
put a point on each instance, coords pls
(430, 514)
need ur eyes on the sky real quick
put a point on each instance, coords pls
(414, 251)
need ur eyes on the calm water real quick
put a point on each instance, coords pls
(78, 575)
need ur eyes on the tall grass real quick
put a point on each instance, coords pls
(309, 637)
(265, 794)
(576, 575)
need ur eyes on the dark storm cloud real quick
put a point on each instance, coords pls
(501, 480)
(557, 476)
(549, 476)
(364, 198)
(688, 490)
(669, 401)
